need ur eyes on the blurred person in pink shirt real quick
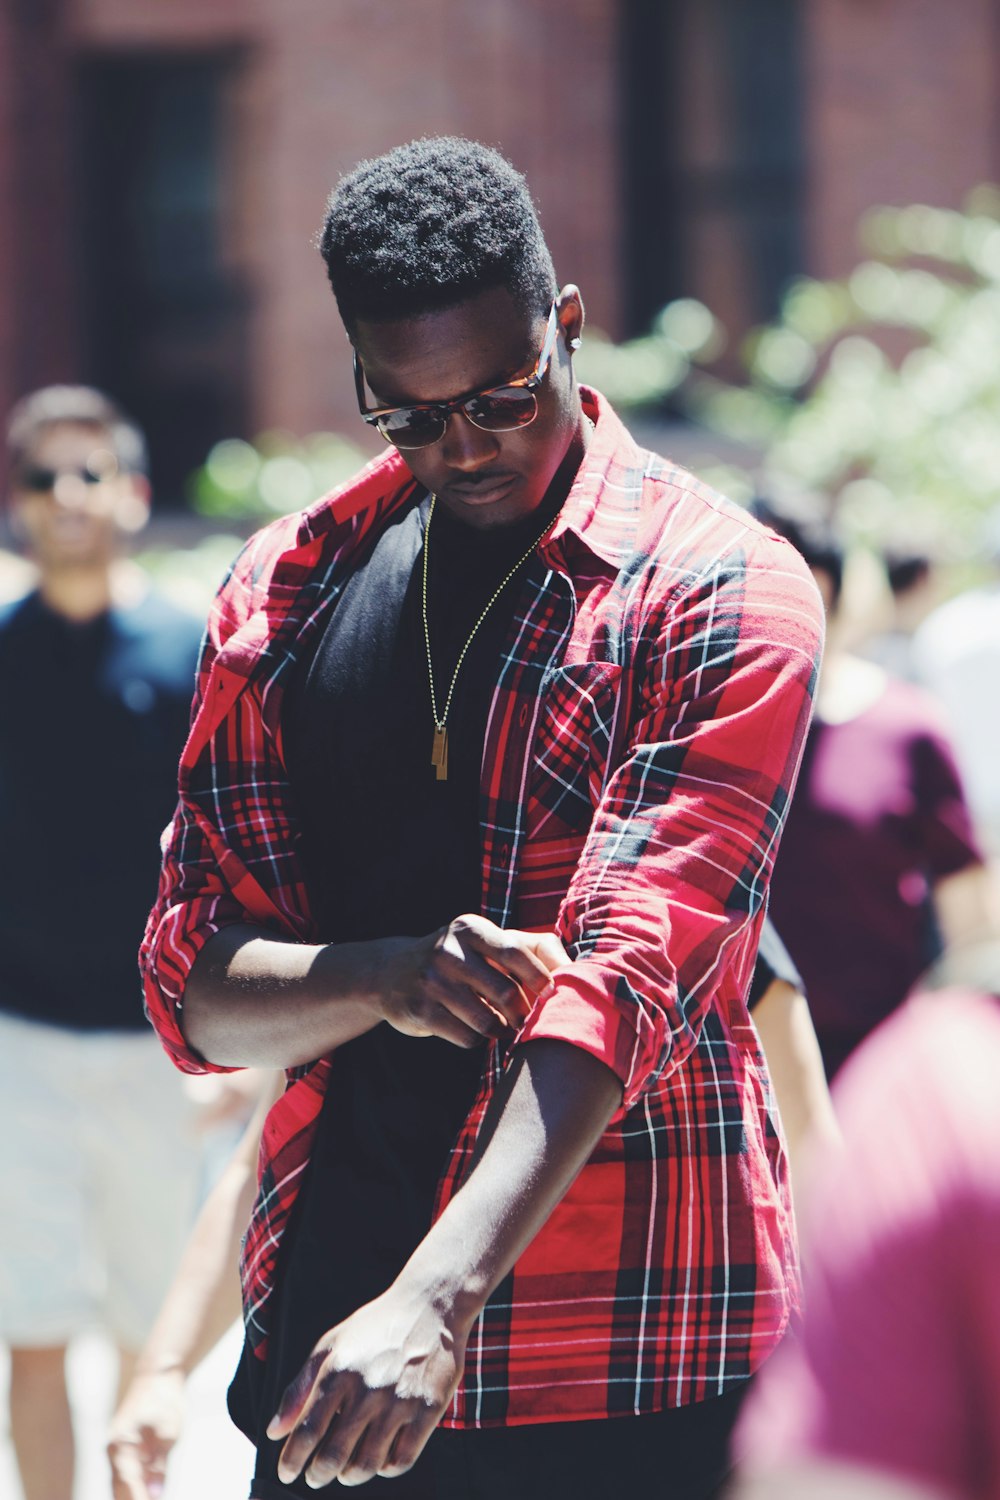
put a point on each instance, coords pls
(893, 1386)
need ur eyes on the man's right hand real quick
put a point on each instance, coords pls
(469, 981)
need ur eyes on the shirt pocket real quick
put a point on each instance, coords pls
(572, 751)
(570, 762)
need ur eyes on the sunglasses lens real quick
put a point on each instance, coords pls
(412, 427)
(502, 410)
(38, 479)
(41, 480)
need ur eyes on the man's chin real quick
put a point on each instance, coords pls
(490, 508)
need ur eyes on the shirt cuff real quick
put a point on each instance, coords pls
(166, 967)
(580, 1009)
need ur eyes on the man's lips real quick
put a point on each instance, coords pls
(483, 491)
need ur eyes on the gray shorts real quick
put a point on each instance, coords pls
(102, 1175)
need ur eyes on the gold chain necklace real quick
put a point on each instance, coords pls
(439, 751)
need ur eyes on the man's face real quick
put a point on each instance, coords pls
(483, 478)
(68, 500)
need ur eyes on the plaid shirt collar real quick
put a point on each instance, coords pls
(605, 530)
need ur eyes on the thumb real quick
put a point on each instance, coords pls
(548, 949)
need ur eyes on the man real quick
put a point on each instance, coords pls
(956, 653)
(95, 682)
(488, 769)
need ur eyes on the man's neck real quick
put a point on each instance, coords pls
(77, 594)
(565, 475)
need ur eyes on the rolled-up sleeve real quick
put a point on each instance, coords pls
(229, 854)
(673, 876)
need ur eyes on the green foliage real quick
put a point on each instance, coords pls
(881, 392)
(241, 486)
(272, 476)
(190, 575)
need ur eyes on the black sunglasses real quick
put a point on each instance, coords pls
(501, 408)
(40, 480)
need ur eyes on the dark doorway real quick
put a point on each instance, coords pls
(164, 317)
(712, 155)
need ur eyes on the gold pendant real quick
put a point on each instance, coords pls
(439, 754)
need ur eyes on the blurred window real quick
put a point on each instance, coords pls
(713, 155)
(164, 315)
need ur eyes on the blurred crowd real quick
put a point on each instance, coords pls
(885, 896)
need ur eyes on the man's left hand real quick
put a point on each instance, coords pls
(371, 1393)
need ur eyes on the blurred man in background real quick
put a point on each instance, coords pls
(957, 654)
(914, 588)
(95, 678)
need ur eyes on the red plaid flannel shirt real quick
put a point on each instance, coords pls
(641, 749)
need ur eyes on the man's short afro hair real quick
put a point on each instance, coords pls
(428, 225)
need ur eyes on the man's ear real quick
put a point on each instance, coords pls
(569, 311)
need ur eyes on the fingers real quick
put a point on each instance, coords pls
(370, 1453)
(475, 980)
(296, 1395)
(134, 1476)
(411, 1439)
(481, 995)
(309, 1430)
(464, 1024)
(142, 1434)
(361, 1439)
(528, 958)
(345, 1432)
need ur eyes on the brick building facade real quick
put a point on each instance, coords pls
(163, 167)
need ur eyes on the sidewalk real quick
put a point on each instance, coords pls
(211, 1462)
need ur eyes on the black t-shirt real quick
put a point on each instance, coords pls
(388, 849)
(93, 722)
(773, 962)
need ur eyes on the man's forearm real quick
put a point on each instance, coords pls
(547, 1117)
(254, 1001)
(376, 1385)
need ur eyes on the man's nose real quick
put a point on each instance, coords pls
(466, 446)
(70, 490)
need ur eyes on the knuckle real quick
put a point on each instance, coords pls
(438, 941)
(329, 1462)
(362, 1465)
(506, 995)
(487, 1023)
(406, 1451)
(310, 1425)
(416, 1012)
(425, 968)
(392, 1468)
